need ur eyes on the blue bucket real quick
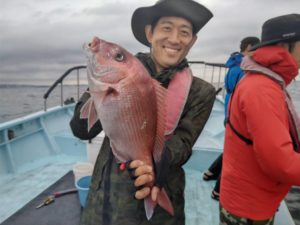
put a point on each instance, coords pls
(82, 186)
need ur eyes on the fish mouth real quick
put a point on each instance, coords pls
(102, 74)
(101, 70)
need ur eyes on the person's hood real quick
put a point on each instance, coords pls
(235, 59)
(278, 60)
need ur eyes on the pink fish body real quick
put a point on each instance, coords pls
(130, 106)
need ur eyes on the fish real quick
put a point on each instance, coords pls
(130, 105)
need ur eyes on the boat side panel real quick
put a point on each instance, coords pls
(36, 137)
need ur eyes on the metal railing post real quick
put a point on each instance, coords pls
(219, 79)
(61, 93)
(77, 84)
(212, 76)
(204, 72)
(45, 105)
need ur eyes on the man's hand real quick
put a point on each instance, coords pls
(144, 175)
(154, 193)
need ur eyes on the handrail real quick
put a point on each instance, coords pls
(196, 62)
(220, 66)
(208, 63)
(212, 72)
(216, 64)
(60, 81)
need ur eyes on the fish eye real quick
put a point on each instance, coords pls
(119, 57)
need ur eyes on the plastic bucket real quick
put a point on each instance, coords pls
(82, 169)
(82, 186)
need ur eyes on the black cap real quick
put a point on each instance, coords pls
(284, 28)
(194, 12)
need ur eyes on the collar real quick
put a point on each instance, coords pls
(164, 76)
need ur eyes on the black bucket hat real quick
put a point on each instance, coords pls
(284, 28)
(194, 12)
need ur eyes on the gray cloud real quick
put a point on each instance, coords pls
(39, 42)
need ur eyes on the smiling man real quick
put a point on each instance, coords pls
(116, 195)
(170, 29)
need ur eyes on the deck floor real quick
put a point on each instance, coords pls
(200, 208)
(17, 191)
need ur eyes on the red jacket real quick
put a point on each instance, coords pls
(256, 178)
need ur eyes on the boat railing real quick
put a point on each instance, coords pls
(60, 81)
(213, 73)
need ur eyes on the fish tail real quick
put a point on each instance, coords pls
(149, 207)
(164, 202)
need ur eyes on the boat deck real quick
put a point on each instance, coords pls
(200, 208)
(17, 190)
(27, 181)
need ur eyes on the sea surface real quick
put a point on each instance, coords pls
(20, 100)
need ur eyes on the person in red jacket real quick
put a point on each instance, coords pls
(261, 159)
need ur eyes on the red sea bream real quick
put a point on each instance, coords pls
(130, 106)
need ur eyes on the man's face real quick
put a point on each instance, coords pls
(296, 52)
(171, 40)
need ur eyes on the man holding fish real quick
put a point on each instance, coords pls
(152, 111)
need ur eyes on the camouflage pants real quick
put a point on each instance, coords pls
(228, 219)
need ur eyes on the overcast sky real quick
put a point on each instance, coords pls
(40, 39)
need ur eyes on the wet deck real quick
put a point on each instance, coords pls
(293, 203)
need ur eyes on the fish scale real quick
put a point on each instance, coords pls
(132, 110)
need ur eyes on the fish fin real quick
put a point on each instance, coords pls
(88, 111)
(177, 94)
(164, 202)
(161, 94)
(84, 111)
(119, 158)
(149, 207)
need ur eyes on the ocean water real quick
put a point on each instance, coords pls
(21, 100)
